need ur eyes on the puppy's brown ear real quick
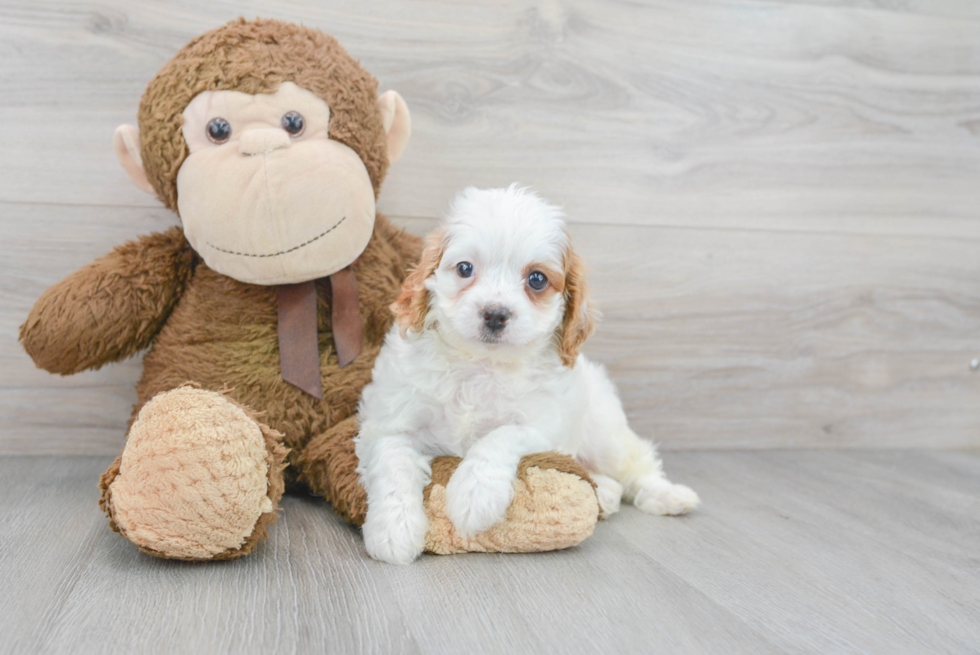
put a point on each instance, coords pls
(580, 316)
(413, 301)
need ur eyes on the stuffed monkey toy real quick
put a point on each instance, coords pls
(264, 310)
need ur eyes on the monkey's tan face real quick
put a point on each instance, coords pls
(265, 196)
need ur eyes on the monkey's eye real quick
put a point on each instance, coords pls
(219, 130)
(464, 269)
(537, 280)
(292, 122)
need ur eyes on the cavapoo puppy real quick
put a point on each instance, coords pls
(483, 363)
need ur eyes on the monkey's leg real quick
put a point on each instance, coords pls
(199, 478)
(555, 504)
(328, 466)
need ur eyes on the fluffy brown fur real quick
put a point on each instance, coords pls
(112, 308)
(223, 334)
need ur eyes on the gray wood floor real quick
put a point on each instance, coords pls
(795, 551)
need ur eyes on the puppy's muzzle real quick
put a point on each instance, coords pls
(495, 318)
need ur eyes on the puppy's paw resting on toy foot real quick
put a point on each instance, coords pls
(554, 506)
(478, 495)
(199, 478)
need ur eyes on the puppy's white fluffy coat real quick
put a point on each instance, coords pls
(483, 364)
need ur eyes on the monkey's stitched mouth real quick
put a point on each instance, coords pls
(281, 252)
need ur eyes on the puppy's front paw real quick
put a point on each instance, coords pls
(395, 534)
(609, 492)
(477, 496)
(667, 500)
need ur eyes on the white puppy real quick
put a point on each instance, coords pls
(483, 364)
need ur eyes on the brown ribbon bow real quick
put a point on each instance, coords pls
(299, 353)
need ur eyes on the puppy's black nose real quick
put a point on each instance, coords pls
(495, 318)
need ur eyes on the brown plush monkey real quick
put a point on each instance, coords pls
(271, 144)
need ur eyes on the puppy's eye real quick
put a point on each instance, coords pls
(218, 130)
(464, 269)
(292, 122)
(537, 280)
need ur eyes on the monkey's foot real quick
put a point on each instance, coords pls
(555, 506)
(199, 478)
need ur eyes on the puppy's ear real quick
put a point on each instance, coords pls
(413, 301)
(580, 317)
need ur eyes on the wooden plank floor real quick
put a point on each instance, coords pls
(794, 551)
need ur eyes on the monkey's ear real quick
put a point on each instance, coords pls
(126, 145)
(397, 123)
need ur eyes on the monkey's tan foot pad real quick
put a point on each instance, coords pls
(555, 506)
(199, 478)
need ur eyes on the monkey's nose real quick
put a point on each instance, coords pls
(260, 140)
(495, 318)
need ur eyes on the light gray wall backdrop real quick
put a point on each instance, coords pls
(778, 200)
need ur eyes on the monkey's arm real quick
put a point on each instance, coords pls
(111, 308)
